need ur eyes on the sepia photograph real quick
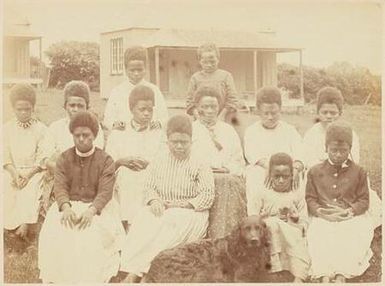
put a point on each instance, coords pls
(192, 141)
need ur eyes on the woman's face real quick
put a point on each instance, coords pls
(142, 112)
(23, 110)
(209, 61)
(338, 152)
(135, 71)
(281, 177)
(328, 113)
(179, 145)
(270, 114)
(75, 104)
(83, 138)
(208, 108)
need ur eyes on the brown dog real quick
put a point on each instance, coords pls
(242, 256)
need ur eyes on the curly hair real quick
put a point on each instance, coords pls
(22, 91)
(207, 47)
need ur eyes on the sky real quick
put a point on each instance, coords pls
(328, 31)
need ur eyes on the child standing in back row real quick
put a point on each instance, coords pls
(117, 114)
(210, 75)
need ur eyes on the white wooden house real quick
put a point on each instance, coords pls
(17, 35)
(172, 59)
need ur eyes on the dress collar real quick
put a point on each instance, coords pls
(137, 127)
(86, 154)
(343, 165)
(27, 124)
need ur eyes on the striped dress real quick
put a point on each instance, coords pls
(172, 180)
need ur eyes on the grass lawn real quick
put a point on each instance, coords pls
(366, 121)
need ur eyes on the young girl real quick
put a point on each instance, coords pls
(266, 137)
(337, 195)
(210, 75)
(25, 154)
(79, 240)
(133, 149)
(329, 109)
(286, 218)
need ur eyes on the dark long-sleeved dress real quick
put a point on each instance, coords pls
(91, 255)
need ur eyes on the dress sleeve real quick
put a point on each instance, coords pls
(297, 146)
(61, 183)
(161, 107)
(311, 195)
(235, 162)
(361, 204)
(105, 185)
(113, 146)
(251, 149)
(231, 94)
(7, 155)
(111, 110)
(45, 147)
(190, 102)
(150, 189)
(205, 198)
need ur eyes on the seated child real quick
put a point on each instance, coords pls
(133, 149)
(286, 218)
(215, 140)
(337, 195)
(210, 75)
(329, 109)
(266, 137)
(25, 155)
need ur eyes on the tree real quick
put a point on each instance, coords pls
(71, 60)
(357, 84)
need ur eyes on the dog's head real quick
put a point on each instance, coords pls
(253, 231)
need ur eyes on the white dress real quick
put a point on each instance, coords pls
(172, 180)
(129, 185)
(261, 143)
(87, 256)
(117, 108)
(314, 146)
(230, 156)
(340, 247)
(25, 148)
(288, 239)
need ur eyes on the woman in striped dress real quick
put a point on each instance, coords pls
(179, 192)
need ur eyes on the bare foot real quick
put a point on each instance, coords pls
(131, 278)
(22, 231)
(325, 279)
(340, 279)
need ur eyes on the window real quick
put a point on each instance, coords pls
(117, 57)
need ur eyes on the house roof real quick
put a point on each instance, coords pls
(16, 25)
(157, 37)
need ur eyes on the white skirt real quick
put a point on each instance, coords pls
(149, 235)
(129, 187)
(71, 255)
(340, 247)
(21, 206)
